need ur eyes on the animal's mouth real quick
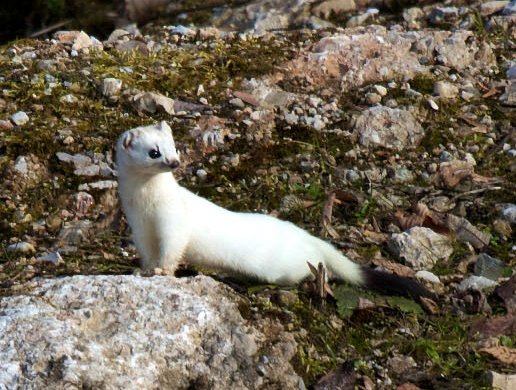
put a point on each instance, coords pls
(172, 164)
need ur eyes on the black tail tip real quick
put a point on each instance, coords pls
(391, 284)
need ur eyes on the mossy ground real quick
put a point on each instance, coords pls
(438, 343)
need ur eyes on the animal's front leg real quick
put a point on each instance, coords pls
(172, 246)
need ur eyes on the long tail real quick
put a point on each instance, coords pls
(342, 268)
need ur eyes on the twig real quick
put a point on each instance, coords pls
(473, 192)
(48, 29)
(327, 215)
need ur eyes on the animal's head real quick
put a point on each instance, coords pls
(148, 149)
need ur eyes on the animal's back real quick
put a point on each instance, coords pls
(254, 244)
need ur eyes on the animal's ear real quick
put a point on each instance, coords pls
(163, 126)
(128, 140)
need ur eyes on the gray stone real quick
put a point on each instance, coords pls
(52, 257)
(440, 15)
(22, 247)
(509, 96)
(78, 160)
(502, 381)
(99, 185)
(75, 232)
(509, 213)
(129, 332)
(390, 128)
(237, 102)
(153, 102)
(421, 247)
(88, 170)
(489, 267)
(476, 283)
(492, 7)
(510, 9)
(19, 118)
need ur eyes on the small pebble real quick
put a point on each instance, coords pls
(19, 118)
(22, 246)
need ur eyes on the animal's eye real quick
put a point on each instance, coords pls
(154, 153)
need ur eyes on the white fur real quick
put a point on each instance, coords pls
(171, 224)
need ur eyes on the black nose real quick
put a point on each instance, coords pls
(173, 164)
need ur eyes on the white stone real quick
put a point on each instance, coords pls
(111, 86)
(476, 283)
(428, 276)
(21, 166)
(19, 118)
(445, 89)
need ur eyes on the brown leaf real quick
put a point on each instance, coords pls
(494, 327)
(327, 215)
(423, 216)
(408, 386)
(485, 179)
(429, 305)
(507, 292)
(341, 378)
(247, 98)
(505, 355)
(396, 268)
(375, 237)
(452, 173)
(409, 221)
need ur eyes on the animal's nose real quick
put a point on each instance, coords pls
(173, 164)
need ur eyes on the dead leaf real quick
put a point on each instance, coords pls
(491, 92)
(452, 173)
(505, 355)
(396, 268)
(408, 386)
(507, 292)
(377, 238)
(365, 304)
(246, 97)
(429, 305)
(423, 216)
(494, 327)
(467, 232)
(327, 216)
(465, 131)
(341, 378)
(485, 179)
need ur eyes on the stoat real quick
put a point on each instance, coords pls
(171, 224)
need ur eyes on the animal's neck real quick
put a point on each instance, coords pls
(164, 181)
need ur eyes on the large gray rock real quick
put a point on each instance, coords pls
(128, 332)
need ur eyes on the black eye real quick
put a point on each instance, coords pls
(154, 153)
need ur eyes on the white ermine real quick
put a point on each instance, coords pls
(171, 224)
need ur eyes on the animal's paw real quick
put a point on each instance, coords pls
(151, 272)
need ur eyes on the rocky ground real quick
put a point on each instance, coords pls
(384, 127)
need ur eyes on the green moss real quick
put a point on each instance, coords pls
(423, 83)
